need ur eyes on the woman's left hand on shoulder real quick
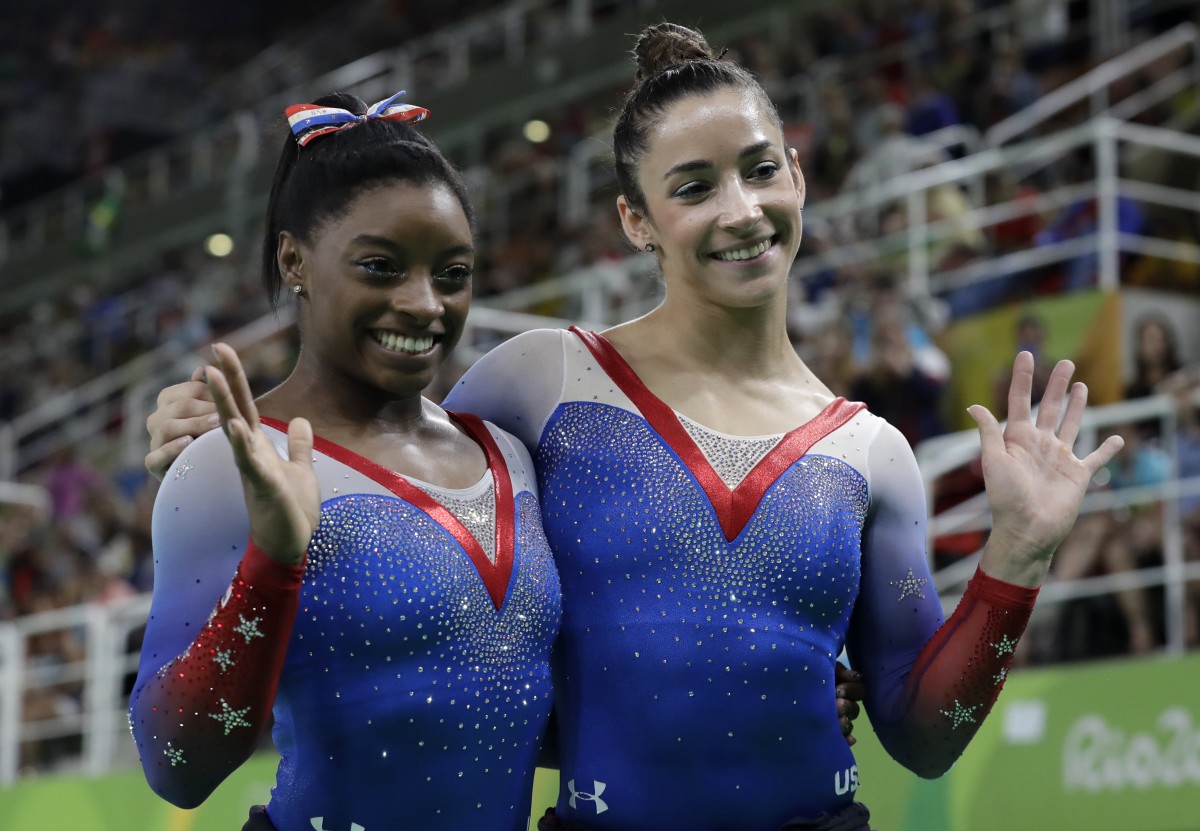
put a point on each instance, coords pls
(1035, 482)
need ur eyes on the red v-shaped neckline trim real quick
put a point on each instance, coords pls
(735, 506)
(496, 575)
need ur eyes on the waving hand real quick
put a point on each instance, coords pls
(1035, 482)
(282, 495)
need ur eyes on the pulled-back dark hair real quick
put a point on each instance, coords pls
(673, 61)
(316, 183)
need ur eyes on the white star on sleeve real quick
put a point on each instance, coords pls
(1005, 646)
(960, 715)
(910, 586)
(249, 628)
(231, 718)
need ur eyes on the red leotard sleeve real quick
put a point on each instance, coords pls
(929, 684)
(199, 716)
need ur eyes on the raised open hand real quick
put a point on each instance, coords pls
(1035, 482)
(184, 411)
(282, 495)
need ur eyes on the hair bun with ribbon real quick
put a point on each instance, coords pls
(311, 120)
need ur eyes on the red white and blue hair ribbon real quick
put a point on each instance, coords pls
(311, 120)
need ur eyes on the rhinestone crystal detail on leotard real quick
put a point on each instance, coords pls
(732, 457)
(474, 507)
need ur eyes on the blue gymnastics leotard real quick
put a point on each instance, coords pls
(710, 582)
(414, 684)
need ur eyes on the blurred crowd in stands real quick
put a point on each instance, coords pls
(125, 81)
(87, 84)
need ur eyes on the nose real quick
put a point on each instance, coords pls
(740, 208)
(417, 298)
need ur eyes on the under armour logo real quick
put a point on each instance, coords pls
(318, 824)
(598, 787)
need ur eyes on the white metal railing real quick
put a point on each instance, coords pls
(942, 455)
(1106, 137)
(83, 413)
(99, 720)
(19, 493)
(1094, 87)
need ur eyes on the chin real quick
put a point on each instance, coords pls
(761, 291)
(405, 386)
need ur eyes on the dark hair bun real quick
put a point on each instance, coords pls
(664, 45)
(343, 100)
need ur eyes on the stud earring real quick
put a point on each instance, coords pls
(297, 289)
(650, 247)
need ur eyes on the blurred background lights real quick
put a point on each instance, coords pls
(537, 130)
(219, 245)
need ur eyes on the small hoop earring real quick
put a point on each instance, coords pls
(297, 289)
(650, 247)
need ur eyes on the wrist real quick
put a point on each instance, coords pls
(262, 569)
(1014, 561)
(282, 551)
(1003, 593)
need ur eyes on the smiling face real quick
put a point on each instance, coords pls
(386, 284)
(722, 198)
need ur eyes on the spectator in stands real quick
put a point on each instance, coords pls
(959, 240)
(1081, 218)
(1184, 387)
(895, 387)
(883, 302)
(24, 533)
(1030, 337)
(1161, 270)
(1156, 356)
(1043, 29)
(57, 652)
(73, 485)
(930, 108)
(872, 102)
(829, 353)
(1115, 542)
(1019, 232)
(897, 152)
(835, 149)
(1006, 88)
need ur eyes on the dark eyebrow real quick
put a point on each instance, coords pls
(453, 251)
(701, 164)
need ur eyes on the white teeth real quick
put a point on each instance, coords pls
(399, 343)
(744, 253)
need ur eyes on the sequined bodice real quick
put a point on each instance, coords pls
(655, 591)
